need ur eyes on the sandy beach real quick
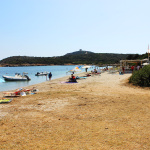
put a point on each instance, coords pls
(102, 112)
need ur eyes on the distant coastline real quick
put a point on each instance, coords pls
(24, 65)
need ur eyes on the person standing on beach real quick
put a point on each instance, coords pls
(50, 76)
(132, 68)
(46, 77)
(123, 70)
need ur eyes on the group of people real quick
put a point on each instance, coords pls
(74, 79)
(95, 71)
(21, 92)
(137, 67)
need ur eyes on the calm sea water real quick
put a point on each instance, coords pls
(57, 72)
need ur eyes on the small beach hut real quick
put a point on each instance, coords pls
(127, 63)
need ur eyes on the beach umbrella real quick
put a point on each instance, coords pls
(76, 69)
(86, 67)
(79, 67)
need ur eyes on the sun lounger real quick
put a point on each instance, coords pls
(80, 77)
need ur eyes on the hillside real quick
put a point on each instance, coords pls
(78, 57)
(80, 52)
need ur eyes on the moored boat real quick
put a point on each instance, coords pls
(41, 73)
(17, 77)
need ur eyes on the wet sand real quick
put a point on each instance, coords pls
(98, 113)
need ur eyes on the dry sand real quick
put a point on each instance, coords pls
(97, 113)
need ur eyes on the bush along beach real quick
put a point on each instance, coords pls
(141, 77)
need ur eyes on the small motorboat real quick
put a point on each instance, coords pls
(41, 73)
(17, 77)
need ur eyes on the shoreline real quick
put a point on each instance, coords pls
(100, 112)
(39, 84)
(16, 85)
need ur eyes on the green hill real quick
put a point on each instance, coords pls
(80, 52)
(78, 57)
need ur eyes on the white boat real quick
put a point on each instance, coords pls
(41, 73)
(17, 77)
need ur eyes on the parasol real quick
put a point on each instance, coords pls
(76, 69)
(86, 67)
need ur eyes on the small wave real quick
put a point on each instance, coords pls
(1, 80)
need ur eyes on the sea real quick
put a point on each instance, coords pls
(57, 72)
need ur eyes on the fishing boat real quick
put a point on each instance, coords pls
(41, 73)
(17, 77)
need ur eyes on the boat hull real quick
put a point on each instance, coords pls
(8, 78)
(41, 74)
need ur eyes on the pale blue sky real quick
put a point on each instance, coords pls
(49, 28)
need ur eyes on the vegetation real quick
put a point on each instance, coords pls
(78, 57)
(141, 77)
(137, 56)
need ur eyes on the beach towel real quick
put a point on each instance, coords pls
(5, 100)
(67, 82)
(81, 77)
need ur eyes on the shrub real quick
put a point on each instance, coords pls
(141, 77)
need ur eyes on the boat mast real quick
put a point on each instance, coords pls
(148, 52)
